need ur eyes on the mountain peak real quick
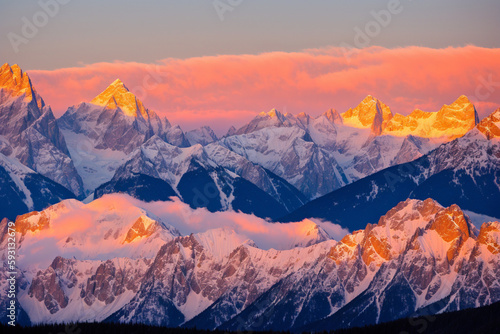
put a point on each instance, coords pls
(231, 131)
(273, 113)
(117, 95)
(17, 82)
(490, 126)
(462, 99)
(333, 116)
(370, 113)
(118, 82)
(489, 236)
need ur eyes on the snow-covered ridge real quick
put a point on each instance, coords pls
(357, 143)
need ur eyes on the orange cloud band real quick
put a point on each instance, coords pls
(230, 89)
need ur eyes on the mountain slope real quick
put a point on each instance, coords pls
(289, 153)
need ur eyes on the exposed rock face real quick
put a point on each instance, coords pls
(394, 269)
(29, 131)
(33, 221)
(48, 287)
(490, 126)
(371, 113)
(98, 284)
(187, 277)
(142, 228)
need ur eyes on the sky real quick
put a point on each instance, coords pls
(220, 62)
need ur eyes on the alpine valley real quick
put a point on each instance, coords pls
(290, 222)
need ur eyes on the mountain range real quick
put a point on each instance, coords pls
(128, 267)
(290, 222)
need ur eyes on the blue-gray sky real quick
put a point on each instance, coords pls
(89, 31)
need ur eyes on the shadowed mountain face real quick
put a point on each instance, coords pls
(23, 190)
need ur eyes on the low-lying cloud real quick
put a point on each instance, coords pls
(264, 233)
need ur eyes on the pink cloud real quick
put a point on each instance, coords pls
(230, 89)
(264, 233)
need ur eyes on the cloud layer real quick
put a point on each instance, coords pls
(230, 89)
(265, 234)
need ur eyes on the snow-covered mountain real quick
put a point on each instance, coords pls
(203, 136)
(29, 131)
(355, 144)
(465, 171)
(419, 252)
(191, 175)
(101, 134)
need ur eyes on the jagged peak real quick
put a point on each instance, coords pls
(117, 95)
(231, 131)
(17, 82)
(369, 113)
(273, 113)
(450, 121)
(490, 125)
(489, 235)
(461, 107)
(118, 82)
(333, 116)
(462, 99)
(451, 223)
(405, 209)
